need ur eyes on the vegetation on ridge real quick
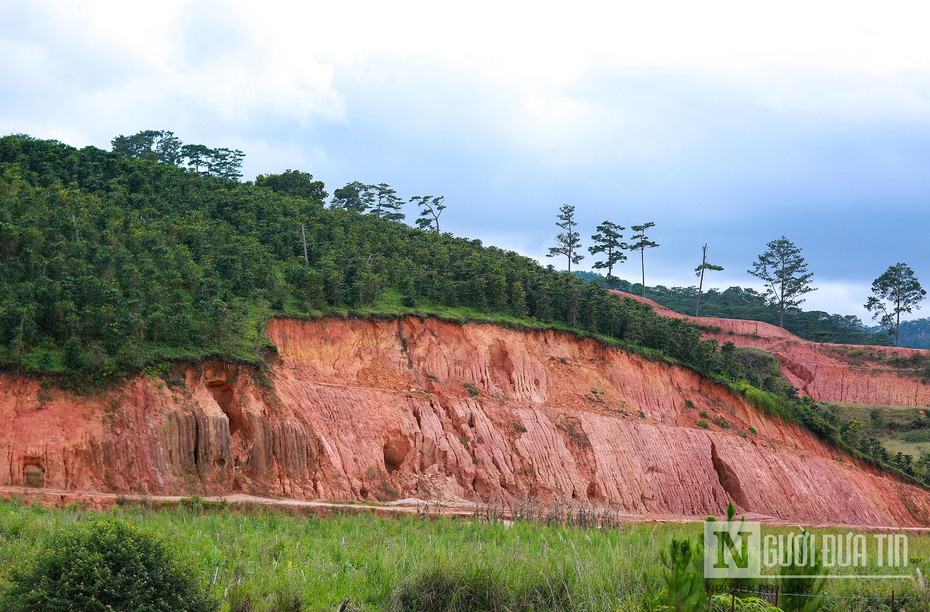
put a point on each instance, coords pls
(112, 263)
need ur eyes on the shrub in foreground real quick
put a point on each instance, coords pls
(107, 564)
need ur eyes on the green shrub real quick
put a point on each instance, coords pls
(702, 424)
(689, 403)
(471, 388)
(802, 582)
(704, 414)
(473, 588)
(478, 587)
(917, 435)
(104, 564)
(683, 581)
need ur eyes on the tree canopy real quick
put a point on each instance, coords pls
(112, 262)
(163, 146)
(607, 242)
(784, 272)
(895, 292)
(294, 183)
(568, 241)
(640, 243)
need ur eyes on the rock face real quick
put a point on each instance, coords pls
(365, 409)
(826, 372)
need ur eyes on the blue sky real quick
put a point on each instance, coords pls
(730, 123)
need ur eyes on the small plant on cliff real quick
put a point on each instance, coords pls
(103, 565)
(577, 435)
(472, 389)
(702, 424)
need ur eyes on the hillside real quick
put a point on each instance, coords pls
(369, 409)
(826, 372)
(163, 331)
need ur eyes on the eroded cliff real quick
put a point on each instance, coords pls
(826, 372)
(369, 409)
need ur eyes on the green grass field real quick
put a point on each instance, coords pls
(264, 558)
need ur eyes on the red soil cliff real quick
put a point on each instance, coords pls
(826, 372)
(357, 409)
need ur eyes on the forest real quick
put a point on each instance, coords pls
(114, 264)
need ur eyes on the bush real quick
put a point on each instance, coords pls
(475, 587)
(101, 565)
(453, 589)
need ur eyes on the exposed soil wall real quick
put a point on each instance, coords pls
(363, 409)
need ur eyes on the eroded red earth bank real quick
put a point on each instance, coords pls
(366, 409)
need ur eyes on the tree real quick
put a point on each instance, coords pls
(196, 156)
(785, 275)
(293, 183)
(355, 196)
(640, 243)
(226, 163)
(161, 145)
(569, 241)
(387, 204)
(699, 272)
(431, 208)
(895, 291)
(607, 241)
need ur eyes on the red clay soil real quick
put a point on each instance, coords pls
(411, 408)
(826, 372)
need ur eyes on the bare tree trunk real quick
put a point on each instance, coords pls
(697, 311)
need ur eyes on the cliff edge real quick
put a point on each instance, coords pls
(410, 407)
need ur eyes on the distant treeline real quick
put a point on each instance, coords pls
(740, 303)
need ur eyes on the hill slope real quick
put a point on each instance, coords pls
(827, 372)
(365, 409)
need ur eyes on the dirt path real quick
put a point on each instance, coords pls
(97, 500)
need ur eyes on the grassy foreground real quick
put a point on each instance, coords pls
(274, 561)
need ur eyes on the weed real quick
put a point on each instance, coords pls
(572, 428)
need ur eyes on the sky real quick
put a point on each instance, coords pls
(725, 123)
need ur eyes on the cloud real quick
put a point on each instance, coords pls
(725, 122)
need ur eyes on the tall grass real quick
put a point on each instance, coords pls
(265, 560)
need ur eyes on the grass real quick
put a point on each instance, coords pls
(894, 431)
(379, 563)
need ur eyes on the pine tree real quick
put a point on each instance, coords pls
(640, 243)
(607, 241)
(569, 241)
